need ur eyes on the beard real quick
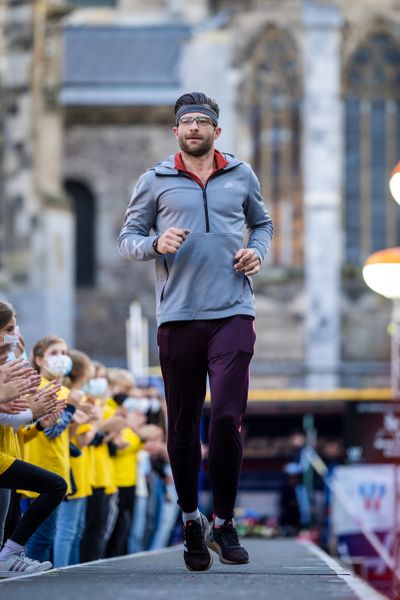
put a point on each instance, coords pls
(203, 147)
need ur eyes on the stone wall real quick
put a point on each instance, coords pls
(37, 234)
(110, 159)
(108, 149)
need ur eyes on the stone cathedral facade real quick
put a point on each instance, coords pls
(37, 222)
(309, 94)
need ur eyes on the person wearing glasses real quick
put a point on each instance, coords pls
(190, 213)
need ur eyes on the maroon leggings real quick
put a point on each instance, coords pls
(189, 350)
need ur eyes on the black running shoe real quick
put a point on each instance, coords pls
(196, 555)
(225, 542)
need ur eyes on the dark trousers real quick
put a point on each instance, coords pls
(118, 542)
(189, 350)
(96, 519)
(14, 514)
(51, 487)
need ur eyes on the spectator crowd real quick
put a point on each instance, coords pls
(84, 470)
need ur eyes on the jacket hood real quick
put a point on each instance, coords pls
(167, 166)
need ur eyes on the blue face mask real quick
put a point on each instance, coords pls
(11, 356)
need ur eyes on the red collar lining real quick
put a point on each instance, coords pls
(220, 161)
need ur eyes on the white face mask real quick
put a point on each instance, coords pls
(58, 365)
(97, 387)
(155, 405)
(131, 404)
(143, 405)
(137, 404)
(24, 356)
(11, 339)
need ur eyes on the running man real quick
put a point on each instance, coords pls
(199, 203)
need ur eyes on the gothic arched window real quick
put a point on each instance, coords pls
(275, 104)
(85, 228)
(94, 3)
(372, 128)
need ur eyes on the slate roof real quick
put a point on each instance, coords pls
(122, 65)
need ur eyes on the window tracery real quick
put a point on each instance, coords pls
(372, 146)
(276, 129)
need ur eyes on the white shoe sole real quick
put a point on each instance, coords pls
(9, 574)
(215, 548)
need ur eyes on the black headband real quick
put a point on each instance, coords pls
(200, 108)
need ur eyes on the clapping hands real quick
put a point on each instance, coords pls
(45, 402)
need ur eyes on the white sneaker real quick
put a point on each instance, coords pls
(19, 564)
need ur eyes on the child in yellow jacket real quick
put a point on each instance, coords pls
(48, 444)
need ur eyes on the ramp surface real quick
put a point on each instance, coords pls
(278, 570)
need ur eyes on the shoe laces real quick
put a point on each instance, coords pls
(229, 534)
(194, 536)
(30, 561)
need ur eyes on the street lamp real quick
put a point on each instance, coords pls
(381, 273)
(394, 183)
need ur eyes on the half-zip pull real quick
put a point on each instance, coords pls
(206, 209)
(203, 186)
(205, 201)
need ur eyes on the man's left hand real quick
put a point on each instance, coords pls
(247, 261)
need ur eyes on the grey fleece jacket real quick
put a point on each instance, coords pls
(199, 281)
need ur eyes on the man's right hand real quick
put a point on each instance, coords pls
(171, 240)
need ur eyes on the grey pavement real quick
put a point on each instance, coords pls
(278, 570)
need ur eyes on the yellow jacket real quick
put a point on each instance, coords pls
(102, 465)
(5, 462)
(81, 466)
(125, 459)
(9, 443)
(51, 454)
